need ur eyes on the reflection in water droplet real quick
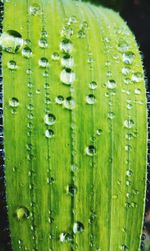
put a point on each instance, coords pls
(67, 76)
(22, 213)
(93, 85)
(43, 43)
(91, 150)
(128, 57)
(50, 119)
(66, 45)
(11, 41)
(59, 99)
(78, 227)
(43, 62)
(67, 61)
(55, 56)
(129, 123)
(137, 77)
(26, 52)
(14, 102)
(69, 103)
(49, 133)
(12, 65)
(111, 84)
(35, 9)
(91, 99)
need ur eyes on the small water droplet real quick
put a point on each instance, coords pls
(78, 227)
(49, 133)
(123, 46)
(128, 57)
(81, 33)
(127, 81)
(72, 20)
(137, 91)
(43, 43)
(129, 123)
(111, 84)
(67, 76)
(126, 70)
(91, 150)
(55, 56)
(93, 85)
(12, 65)
(35, 9)
(65, 237)
(66, 32)
(43, 62)
(72, 189)
(124, 248)
(67, 61)
(129, 172)
(66, 45)
(99, 132)
(26, 52)
(59, 100)
(11, 41)
(111, 115)
(22, 213)
(50, 119)
(137, 77)
(69, 103)
(91, 99)
(14, 102)
(50, 180)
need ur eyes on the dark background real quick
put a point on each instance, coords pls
(137, 15)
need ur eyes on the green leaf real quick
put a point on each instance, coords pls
(75, 127)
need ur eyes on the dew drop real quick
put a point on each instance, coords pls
(67, 61)
(72, 20)
(67, 76)
(99, 132)
(59, 100)
(26, 52)
(14, 102)
(111, 84)
(129, 123)
(91, 150)
(67, 32)
(137, 77)
(111, 115)
(137, 91)
(12, 65)
(91, 99)
(50, 180)
(126, 70)
(43, 43)
(43, 62)
(55, 56)
(128, 57)
(66, 45)
(65, 237)
(127, 81)
(22, 213)
(129, 172)
(11, 41)
(124, 248)
(78, 227)
(35, 9)
(49, 133)
(69, 103)
(72, 189)
(50, 119)
(123, 46)
(93, 85)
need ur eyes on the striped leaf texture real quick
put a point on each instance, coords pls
(75, 127)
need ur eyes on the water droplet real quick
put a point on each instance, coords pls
(91, 99)
(78, 227)
(67, 61)
(124, 248)
(123, 46)
(129, 123)
(43, 43)
(65, 237)
(91, 150)
(127, 81)
(137, 77)
(11, 41)
(59, 100)
(111, 84)
(14, 102)
(129, 172)
(67, 32)
(128, 57)
(126, 70)
(49, 133)
(50, 180)
(66, 45)
(81, 33)
(50, 119)
(22, 213)
(93, 85)
(12, 65)
(69, 103)
(35, 9)
(55, 56)
(99, 132)
(129, 106)
(26, 52)
(128, 148)
(137, 91)
(43, 62)
(72, 189)
(111, 115)
(72, 20)
(67, 76)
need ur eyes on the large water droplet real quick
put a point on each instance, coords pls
(11, 41)
(111, 84)
(12, 65)
(69, 103)
(35, 9)
(26, 52)
(78, 227)
(91, 150)
(67, 61)
(50, 119)
(14, 102)
(128, 57)
(67, 76)
(49, 133)
(129, 123)
(43, 62)
(91, 99)
(66, 46)
(22, 213)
